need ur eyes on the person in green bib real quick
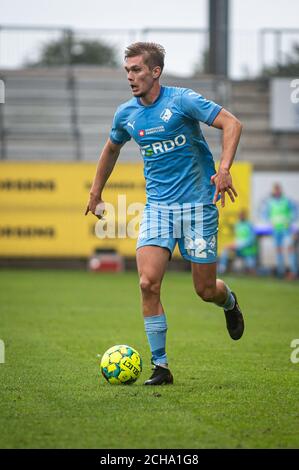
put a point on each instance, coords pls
(244, 246)
(281, 212)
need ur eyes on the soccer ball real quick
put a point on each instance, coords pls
(121, 364)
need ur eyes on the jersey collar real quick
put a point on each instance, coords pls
(162, 88)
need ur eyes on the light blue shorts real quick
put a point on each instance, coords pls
(193, 226)
(282, 238)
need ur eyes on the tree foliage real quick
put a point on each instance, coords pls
(72, 51)
(289, 68)
(201, 67)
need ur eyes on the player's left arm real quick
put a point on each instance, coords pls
(232, 129)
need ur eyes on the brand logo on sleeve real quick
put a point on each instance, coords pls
(131, 124)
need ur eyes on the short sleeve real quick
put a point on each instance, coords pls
(118, 135)
(195, 106)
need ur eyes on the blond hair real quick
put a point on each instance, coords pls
(153, 53)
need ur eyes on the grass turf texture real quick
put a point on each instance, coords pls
(226, 394)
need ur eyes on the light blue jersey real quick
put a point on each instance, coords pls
(178, 163)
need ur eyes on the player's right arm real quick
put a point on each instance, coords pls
(118, 137)
(104, 169)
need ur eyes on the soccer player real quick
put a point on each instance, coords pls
(180, 180)
(281, 212)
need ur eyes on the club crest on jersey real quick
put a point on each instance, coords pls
(166, 115)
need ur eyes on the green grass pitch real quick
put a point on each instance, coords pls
(227, 394)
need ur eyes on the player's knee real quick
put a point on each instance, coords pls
(206, 293)
(149, 286)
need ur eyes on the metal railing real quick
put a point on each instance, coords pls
(186, 47)
(275, 45)
(20, 45)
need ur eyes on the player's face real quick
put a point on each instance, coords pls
(141, 78)
(276, 192)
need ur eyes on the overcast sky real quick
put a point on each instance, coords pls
(246, 18)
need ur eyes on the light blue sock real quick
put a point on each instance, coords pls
(223, 261)
(230, 300)
(280, 264)
(156, 327)
(293, 263)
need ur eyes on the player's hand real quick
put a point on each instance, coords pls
(223, 182)
(96, 206)
(232, 247)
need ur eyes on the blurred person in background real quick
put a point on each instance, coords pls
(243, 247)
(281, 212)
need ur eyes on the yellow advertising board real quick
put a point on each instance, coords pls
(42, 208)
(241, 175)
(63, 185)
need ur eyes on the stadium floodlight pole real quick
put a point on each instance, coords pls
(71, 85)
(2, 126)
(3, 153)
(278, 46)
(261, 52)
(219, 28)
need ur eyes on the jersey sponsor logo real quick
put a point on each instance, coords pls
(163, 146)
(153, 130)
(141, 132)
(131, 124)
(166, 115)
